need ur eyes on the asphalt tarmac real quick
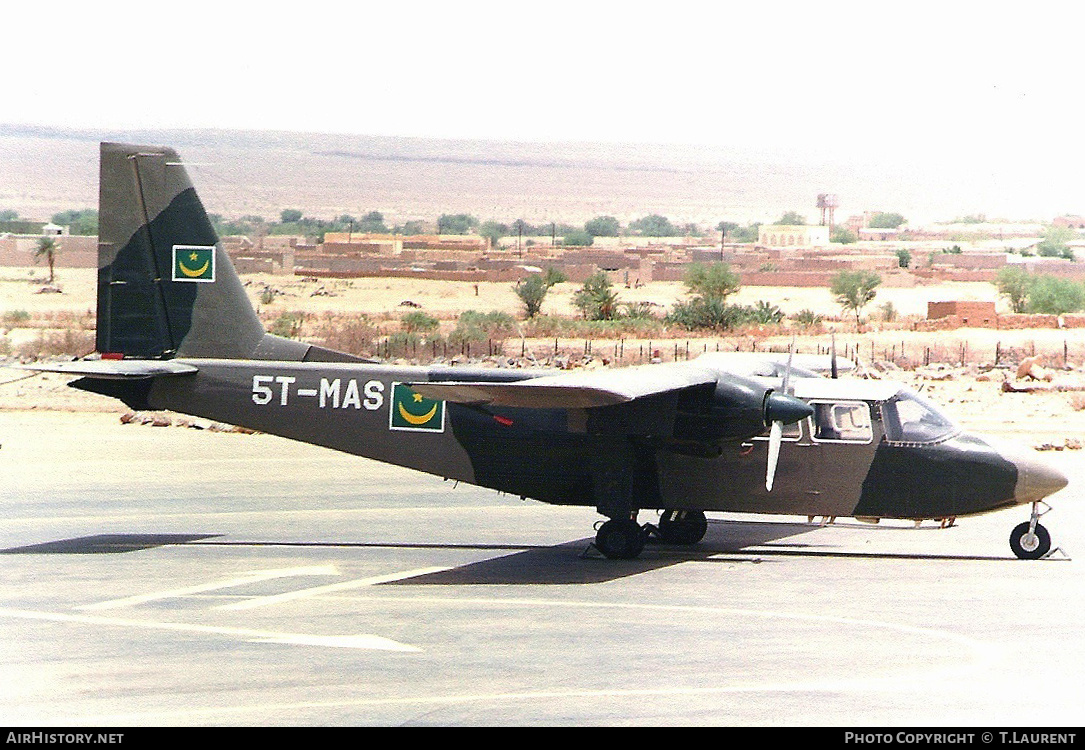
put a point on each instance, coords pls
(171, 576)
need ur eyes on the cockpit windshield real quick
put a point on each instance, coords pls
(910, 419)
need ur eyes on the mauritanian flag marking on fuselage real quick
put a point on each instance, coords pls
(412, 411)
(193, 263)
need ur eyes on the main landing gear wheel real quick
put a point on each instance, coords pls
(682, 526)
(1028, 543)
(620, 539)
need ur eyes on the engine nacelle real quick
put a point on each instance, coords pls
(736, 409)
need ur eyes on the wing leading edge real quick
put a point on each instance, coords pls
(578, 390)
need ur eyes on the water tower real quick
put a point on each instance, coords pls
(828, 202)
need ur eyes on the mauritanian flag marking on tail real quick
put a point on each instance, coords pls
(412, 411)
(193, 263)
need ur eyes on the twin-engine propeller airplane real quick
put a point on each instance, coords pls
(738, 433)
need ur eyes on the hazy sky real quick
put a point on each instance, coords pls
(988, 85)
(845, 75)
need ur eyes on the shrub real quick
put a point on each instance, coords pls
(766, 313)
(638, 311)
(1055, 296)
(844, 236)
(597, 299)
(477, 327)
(714, 281)
(854, 289)
(532, 289)
(419, 322)
(807, 318)
(69, 342)
(701, 313)
(288, 325)
(353, 335)
(1015, 283)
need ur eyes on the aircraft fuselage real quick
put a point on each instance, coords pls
(842, 461)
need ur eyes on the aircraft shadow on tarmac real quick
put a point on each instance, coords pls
(725, 542)
(105, 544)
(574, 562)
(567, 563)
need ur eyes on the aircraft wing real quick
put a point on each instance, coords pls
(575, 390)
(774, 364)
(115, 369)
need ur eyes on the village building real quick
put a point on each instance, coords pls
(785, 236)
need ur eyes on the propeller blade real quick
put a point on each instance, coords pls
(776, 435)
(787, 372)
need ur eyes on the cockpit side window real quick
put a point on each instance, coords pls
(910, 419)
(844, 421)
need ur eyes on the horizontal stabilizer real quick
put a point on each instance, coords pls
(580, 390)
(115, 369)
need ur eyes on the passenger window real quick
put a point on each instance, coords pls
(848, 421)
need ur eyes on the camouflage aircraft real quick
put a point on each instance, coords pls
(738, 433)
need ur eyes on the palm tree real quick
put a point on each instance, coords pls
(596, 299)
(47, 246)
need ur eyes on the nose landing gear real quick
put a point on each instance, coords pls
(1030, 540)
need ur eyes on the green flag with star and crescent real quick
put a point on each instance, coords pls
(193, 263)
(413, 411)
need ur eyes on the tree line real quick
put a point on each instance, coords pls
(293, 221)
(82, 222)
(710, 284)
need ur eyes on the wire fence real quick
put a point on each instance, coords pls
(907, 354)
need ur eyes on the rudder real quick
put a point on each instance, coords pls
(166, 286)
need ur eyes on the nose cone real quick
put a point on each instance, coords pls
(780, 407)
(1035, 479)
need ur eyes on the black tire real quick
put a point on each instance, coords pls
(684, 527)
(1030, 547)
(620, 539)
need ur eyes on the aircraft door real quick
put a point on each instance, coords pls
(841, 448)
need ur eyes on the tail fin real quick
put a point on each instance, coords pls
(166, 287)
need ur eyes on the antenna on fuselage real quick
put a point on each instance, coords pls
(833, 371)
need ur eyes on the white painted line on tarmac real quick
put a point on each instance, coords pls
(362, 641)
(263, 601)
(255, 576)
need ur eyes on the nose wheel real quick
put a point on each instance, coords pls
(1030, 540)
